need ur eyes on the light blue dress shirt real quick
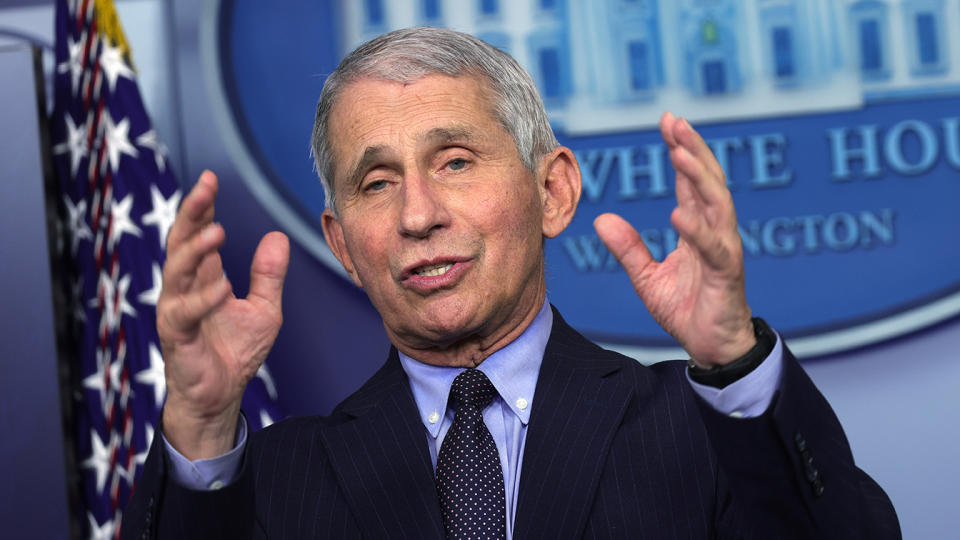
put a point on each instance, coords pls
(513, 370)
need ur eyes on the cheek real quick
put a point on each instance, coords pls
(366, 251)
(515, 215)
(527, 210)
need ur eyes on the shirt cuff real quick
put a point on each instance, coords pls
(208, 474)
(751, 395)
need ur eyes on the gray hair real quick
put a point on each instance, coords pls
(408, 55)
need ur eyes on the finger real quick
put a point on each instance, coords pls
(667, 123)
(269, 268)
(209, 270)
(686, 193)
(688, 138)
(185, 311)
(625, 243)
(195, 212)
(701, 179)
(181, 269)
(704, 239)
(687, 196)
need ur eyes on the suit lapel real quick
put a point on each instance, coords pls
(578, 405)
(382, 461)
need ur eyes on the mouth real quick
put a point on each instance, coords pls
(432, 270)
(426, 276)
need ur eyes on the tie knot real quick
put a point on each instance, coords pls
(472, 388)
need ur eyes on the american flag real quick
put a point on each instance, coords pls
(119, 199)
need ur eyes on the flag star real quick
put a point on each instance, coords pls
(96, 380)
(153, 376)
(163, 213)
(100, 532)
(123, 287)
(113, 64)
(264, 375)
(149, 140)
(75, 143)
(151, 295)
(117, 139)
(113, 293)
(99, 460)
(128, 475)
(104, 288)
(141, 456)
(265, 420)
(77, 222)
(74, 64)
(116, 370)
(120, 214)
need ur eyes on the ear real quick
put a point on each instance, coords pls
(559, 189)
(333, 234)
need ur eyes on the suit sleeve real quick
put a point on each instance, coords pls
(162, 508)
(790, 472)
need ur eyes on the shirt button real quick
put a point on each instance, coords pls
(433, 417)
(736, 414)
(216, 484)
(522, 403)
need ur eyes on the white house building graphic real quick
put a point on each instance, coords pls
(612, 65)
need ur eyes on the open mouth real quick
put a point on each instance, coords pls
(433, 270)
(427, 276)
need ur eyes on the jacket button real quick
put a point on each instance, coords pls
(817, 488)
(800, 442)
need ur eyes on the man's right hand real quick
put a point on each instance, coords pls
(213, 342)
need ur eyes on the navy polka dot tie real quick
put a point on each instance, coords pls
(469, 477)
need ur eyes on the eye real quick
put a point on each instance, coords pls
(376, 185)
(457, 164)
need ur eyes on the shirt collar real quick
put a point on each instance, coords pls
(513, 370)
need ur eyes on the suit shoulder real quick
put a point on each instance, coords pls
(567, 342)
(289, 431)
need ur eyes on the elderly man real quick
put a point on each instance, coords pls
(491, 418)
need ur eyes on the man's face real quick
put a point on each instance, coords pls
(439, 220)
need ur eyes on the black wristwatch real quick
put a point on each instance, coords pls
(721, 376)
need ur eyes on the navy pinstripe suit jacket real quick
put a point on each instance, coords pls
(614, 450)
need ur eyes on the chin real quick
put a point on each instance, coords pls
(442, 323)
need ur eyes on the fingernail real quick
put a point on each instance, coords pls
(209, 231)
(685, 123)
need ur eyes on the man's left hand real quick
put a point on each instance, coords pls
(697, 293)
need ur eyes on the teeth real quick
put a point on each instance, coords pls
(435, 270)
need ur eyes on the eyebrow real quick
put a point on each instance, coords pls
(371, 154)
(448, 135)
(438, 135)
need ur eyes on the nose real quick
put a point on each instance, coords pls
(422, 207)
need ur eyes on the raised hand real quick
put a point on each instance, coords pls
(213, 342)
(697, 293)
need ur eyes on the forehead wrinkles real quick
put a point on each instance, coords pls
(355, 120)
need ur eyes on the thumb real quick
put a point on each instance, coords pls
(625, 243)
(269, 267)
